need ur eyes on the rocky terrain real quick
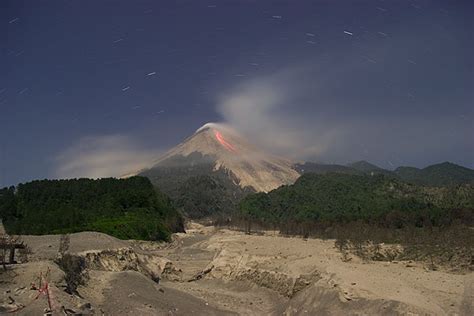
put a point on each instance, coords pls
(210, 271)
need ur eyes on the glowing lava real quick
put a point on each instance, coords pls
(224, 143)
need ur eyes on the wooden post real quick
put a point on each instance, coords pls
(12, 254)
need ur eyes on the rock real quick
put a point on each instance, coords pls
(85, 306)
(10, 308)
(201, 274)
(85, 309)
(19, 290)
(156, 279)
(347, 297)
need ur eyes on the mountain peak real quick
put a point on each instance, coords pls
(227, 150)
(364, 166)
(446, 164)
(441, 174)
(209, 126)
(221, 134)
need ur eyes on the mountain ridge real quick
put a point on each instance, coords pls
(441, 174)
(210, 171)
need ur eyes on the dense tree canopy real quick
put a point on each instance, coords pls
(126, 208)
(339, 198)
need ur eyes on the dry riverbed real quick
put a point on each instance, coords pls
(210, 271)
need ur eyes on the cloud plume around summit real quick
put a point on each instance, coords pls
(316, 120)
(264, 110)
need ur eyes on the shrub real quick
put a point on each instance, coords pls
(74, 268)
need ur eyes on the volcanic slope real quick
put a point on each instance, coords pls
(213, 169)
(226, 150)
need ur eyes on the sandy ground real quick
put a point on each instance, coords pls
(210, 271)
(357, 286)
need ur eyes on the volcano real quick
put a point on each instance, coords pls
(223, 148)
(214, 168)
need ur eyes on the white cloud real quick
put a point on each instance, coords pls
(103, 156)
(269, 111)
(285, 113)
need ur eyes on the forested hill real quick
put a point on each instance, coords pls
(339, 198)
(438, 175)
(125, 208)
(443, 174)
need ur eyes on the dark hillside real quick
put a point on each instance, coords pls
(339, 198)
(443, 174)
(125, 208)
(195, 188)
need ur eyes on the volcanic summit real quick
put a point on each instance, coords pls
(222, 148)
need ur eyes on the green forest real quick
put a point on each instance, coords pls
(343, 198)
(432, 224)
(125, 208)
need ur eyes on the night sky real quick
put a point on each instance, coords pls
(93, 88)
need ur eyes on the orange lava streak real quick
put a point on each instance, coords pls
(224, 143)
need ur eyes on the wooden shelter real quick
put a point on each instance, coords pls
(8, 246)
